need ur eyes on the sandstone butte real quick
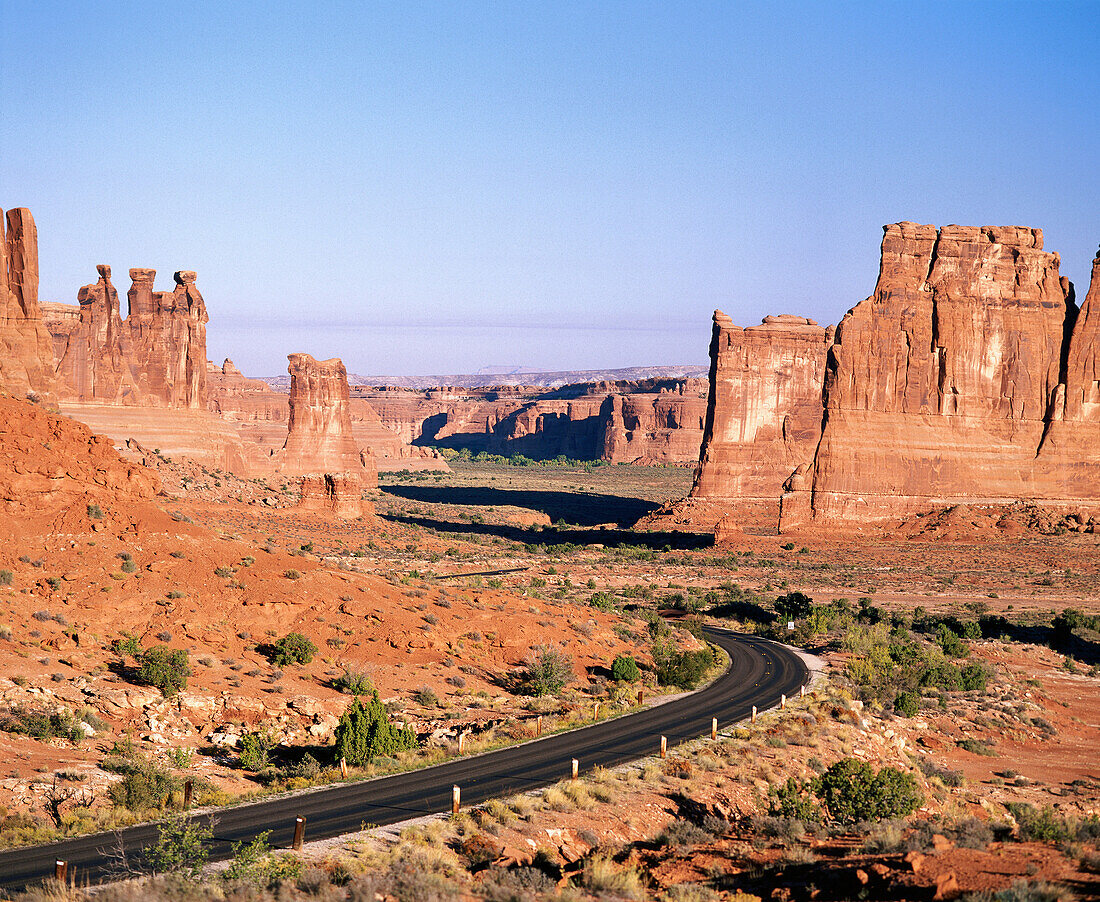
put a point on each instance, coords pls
(969, 376)
(26, 352)
(320, 446)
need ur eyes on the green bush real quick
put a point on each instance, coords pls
(547, 671)
(42, 726)
(365, 732)
(145, 786)
(1039, 824)
(353, 682)
(165, 668)
(683, 669)
(790, 800)
(256, 750)
(624, 669)
(293, 648)
(907, 704)
(127, 646)
(180, 849)
(851, 791)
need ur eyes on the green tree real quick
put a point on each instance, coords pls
(164, 667)
(365, 731)
(794, 606)
(256, 750)
(851, 791)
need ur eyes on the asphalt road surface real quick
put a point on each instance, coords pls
(760, 671)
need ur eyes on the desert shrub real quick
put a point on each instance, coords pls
(602, 875)
(602, 601)
(546, 671)
(1039, 824)
(127, 646)
(180, 849)
(680, 668)
(624, 669)
(683, 833)
(353, 682)
(426, 696)
(256, 750)
(792, 801)
(95, 512)
(907, 704)
(292, 574)
(6, 577)
(365, 732)
(851, 791)
(165, 668)
(128, 567)
(144, 786)
(293, 648)
(42, 725)
(945, 775)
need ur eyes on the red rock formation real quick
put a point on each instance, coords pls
(319, 435)
(333, 493)
(260, 415)
(26, 352)
(156, 357)
(763, 412)
(654, 421)
(941, 386)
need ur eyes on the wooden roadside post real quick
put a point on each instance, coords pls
(753, 714)
(538, 725)
(576, 768)
(664, 746)
(595, 711)
(344, 767)
(783, 701)
(299, 834)
(461, 742)
(456, 799)
(714, 728)
(61, 871)
(188, 792)
(641, 696)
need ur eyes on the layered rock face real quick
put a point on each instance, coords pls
(26, 349)
(156, 357)
(319, 434)
(333, 493)
(653, 421)
(968, 376)
(763, 412)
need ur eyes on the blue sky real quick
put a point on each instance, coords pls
(436, 187)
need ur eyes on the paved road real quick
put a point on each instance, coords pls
(759, 672)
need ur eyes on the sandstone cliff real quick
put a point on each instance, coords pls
(26, 351)
(763, 411)
(968, 376)
(156, 357)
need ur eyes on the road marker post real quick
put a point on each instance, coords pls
(60, 871)
(802, 691)
(753, 720)
(538, 725)
(188, 791)
(595, 711)
(461, 742)
(664, 746)
(783, 701)
(714, 728)
(456, 800)
(641, 696)
(343, 767)
(299, 834)
(576, 768)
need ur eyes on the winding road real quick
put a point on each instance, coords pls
(760, 671)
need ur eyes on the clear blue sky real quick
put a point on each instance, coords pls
(435, 187)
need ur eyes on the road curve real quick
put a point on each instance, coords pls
(760, 671)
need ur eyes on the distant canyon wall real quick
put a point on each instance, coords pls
(651, 421)
(970, 375)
